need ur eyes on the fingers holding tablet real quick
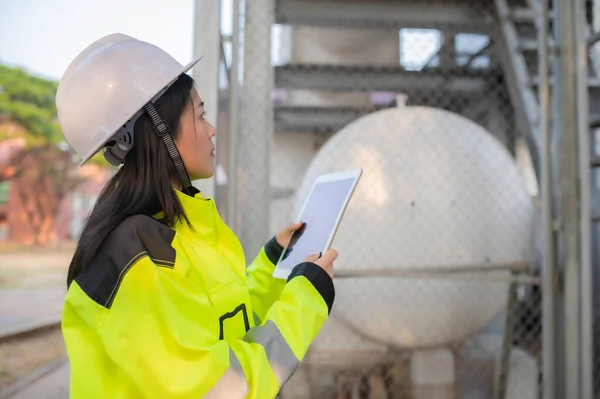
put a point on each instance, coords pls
(326, 261)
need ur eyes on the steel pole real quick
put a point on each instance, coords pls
(234, 82)
(548, 266)
(570, 221)
(207, 39)
(256, 126)
(585, 181)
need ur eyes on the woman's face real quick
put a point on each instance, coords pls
(194, 141)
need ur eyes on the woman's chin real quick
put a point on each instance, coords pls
(206, 174)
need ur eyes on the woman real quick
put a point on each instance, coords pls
(160, 303)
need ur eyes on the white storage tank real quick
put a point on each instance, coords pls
(438, 191)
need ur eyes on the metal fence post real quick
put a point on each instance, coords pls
(572, 97)
(256, 127)
(548, 266)
(234, 100)
(207, 34)
(585, 181)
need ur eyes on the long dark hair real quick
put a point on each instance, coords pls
(143, 184)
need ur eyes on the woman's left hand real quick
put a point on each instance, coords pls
(283, 238)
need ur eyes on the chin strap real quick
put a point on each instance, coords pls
(163, 132)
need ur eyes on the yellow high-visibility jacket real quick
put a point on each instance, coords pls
(173, 312)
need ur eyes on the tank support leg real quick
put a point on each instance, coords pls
(501, 374)
(433, 374)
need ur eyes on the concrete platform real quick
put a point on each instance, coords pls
(25, 308)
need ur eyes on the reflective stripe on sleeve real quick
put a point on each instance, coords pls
(257, 320)
(232, 384)
(282, 360)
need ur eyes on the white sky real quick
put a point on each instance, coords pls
(43, 36)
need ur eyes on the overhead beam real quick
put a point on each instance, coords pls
(453, 81)
(330, 119)
(315, 119)
(382, 14)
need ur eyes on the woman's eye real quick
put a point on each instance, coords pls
(203, 115)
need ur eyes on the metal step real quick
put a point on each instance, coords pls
(456, 81)
(528, 45)
(531, 45)
(525, 14)
(522, 14)
(383, 14)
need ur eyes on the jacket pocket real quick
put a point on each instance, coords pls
(229, 322)
(230, 302)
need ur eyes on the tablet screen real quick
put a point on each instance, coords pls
(319, 216)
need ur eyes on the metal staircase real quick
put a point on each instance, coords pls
(517, 46)
(518, 42)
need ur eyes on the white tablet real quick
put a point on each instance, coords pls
(321, 215)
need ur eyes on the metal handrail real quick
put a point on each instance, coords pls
(520, 272)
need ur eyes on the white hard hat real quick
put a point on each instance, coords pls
(105, 89)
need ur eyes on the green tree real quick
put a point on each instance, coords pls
(29, 101)
(45, 170)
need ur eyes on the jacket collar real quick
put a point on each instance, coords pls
(201, 213)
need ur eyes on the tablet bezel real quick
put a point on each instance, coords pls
(354, 174)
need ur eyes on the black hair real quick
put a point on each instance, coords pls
(143, 184)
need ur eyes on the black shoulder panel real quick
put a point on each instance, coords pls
(138, 236)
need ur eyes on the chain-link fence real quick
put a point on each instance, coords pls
(437, 282)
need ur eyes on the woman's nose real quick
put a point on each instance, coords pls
(212, 132)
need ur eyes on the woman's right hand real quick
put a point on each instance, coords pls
(325, 262)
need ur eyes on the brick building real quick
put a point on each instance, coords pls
(72, 209)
